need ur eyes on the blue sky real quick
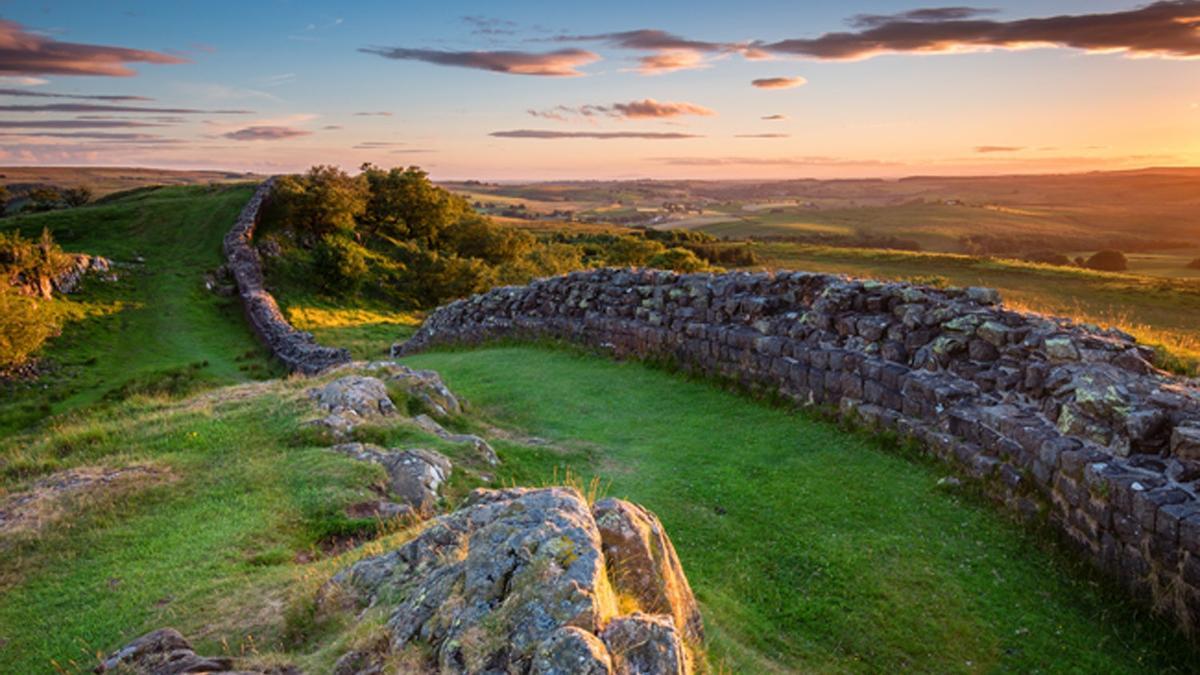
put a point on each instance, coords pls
(978, 101)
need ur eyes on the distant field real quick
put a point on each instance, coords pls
(106, 180)
(1146, 211)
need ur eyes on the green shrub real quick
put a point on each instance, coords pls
(24, 327)
(1108, 261)
(678, 259)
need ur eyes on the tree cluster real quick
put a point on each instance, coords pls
(393, 233)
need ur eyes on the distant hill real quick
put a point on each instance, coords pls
(105, 180)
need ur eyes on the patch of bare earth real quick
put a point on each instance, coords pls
(52, 498)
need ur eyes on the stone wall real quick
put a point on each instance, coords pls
(296, 349)
(1064, 423)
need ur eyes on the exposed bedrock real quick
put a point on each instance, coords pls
(528, 580)
(1061, 421)
(298, 350)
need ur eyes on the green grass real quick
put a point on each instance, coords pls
(158, 318)
(811, 550)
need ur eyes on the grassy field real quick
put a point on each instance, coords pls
(812, 549)
(156, 327)
(104, 180)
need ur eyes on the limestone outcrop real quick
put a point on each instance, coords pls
(1061, 421)
(166, 652)
(520, 581)
(298, 350)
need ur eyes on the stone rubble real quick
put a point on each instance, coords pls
(415, 475)
(1061, 421)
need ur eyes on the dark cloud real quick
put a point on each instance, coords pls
(779, 82)
(774, 118)
(99, 136)
(603, 135)
(984, 149)
(644, 109)
(331, 127)
(165, 119)
(25, 53)
(96, 107)
(560, 63)
(1164, 29)
(266, 133)
(78, 97)
(74, 124)
(762, 135)
(381, 113)
(928, 14)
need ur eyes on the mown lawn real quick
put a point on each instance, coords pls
(813, 549)
(158, 327)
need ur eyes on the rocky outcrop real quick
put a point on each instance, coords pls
(517, 581)
(415, 475)
(350, 401)
(483, 449)
(69, 279)
(298, 350)
(1060, 421)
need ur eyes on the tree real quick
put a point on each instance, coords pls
(1108, 260)
(405, 205)
(633, 251)
(77, 196)
(4, 195)
(323, 201)
(340, 264)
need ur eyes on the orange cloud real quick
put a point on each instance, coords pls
(985, 149)
(670, 60)
(24, 53)
(779, 82)
(560, 63)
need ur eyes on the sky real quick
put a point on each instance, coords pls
(553, 90)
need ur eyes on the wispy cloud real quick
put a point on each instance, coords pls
(26, 53)
(985, 149)
(811, 161)
(98, 136)
(79, 97)
(487, 25)
(762, 135)
(376, 145)
(599, 135)
(266, 133)
(373, 114)
(644, 109)
(774, 118)
(779, 82)
(669, 52)
(75, 124)
(96, 107)
(559, 63)
(1169, 29)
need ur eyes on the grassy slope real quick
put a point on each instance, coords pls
(1156, 310)
(159, 318)
(812, 549)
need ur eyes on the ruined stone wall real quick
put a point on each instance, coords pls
(1064, 423)
(296, 349)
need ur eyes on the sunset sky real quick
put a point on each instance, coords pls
(659, 89)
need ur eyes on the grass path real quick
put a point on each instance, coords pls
(812, 550)
(158, 326)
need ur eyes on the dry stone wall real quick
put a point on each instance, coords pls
(298, 350)
(1065, 423)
